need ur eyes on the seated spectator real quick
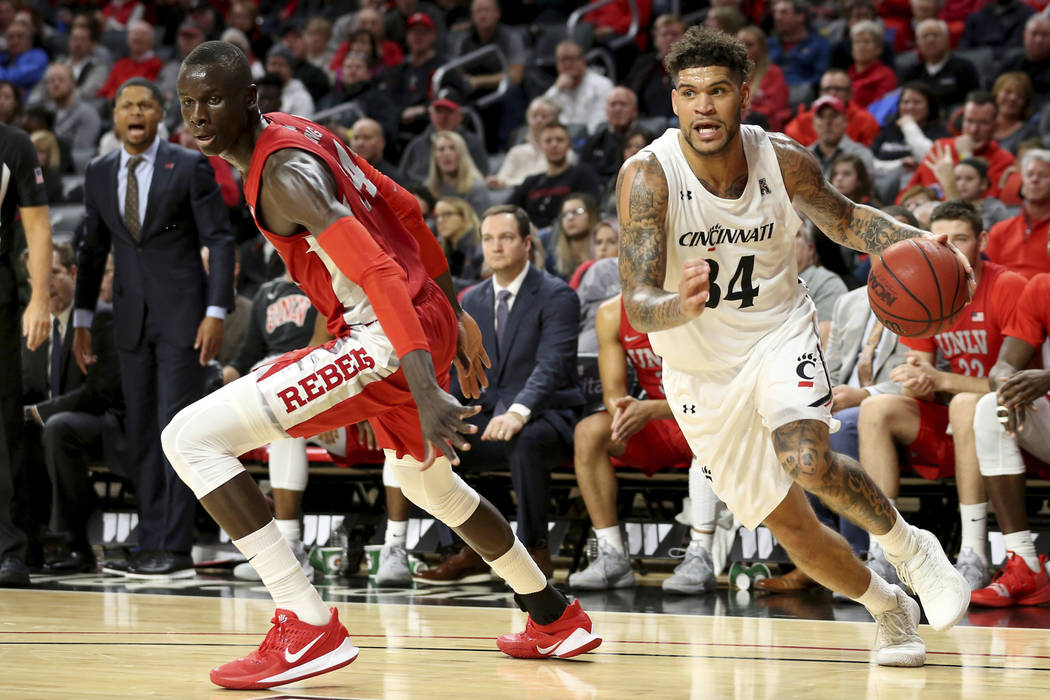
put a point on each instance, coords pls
(726, 19)
(769, 91)
(967, 181)
(244, 15)
(526, 158)
(541, 196)
(830, 122)
(577, 88)
(139, 63)
(639, 434)
(937, 439)
(408, 84)
(1014, 101)
(915, 196)
(90, 65)
(50, 162)
(119, 14)
(1034, 61)
(75, 120)
(445, 115)
(367, 19)
(356, 85)
(1020, 243)
(976, 140)
(485, 75)
(528, 320)
(860, 125)
(22, 63)
(10, 103)
(605, 243)
(800, 52)
(998, 25)
(317, 80)
(397, 20)
(316, 34)
(295, 98)
(599, 283)
(457, 229)
(871, 77)
(648, 78)
(570, 242)
(271, 88)
(188, 37)
(368, 141)
(842, 46)
(949, 77)
(604, 148)
(825, 287)
(453, 173)
(906, 139)
(850, 176)
(1012, 424)
(236, 37)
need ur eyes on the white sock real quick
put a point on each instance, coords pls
(703, 503)
(1020, 543)
(974, 519)
(396, 533)
(273, 560)
(517, 568)
(701, 539)
(292, 531)
(879, 597)
(900, 541)
(611, 536)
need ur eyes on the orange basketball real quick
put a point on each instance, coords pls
(918, 289)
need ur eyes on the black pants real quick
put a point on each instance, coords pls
(13, 507)
(531, 456)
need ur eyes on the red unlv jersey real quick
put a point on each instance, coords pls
(1032, 321)
(971, 345)
(339, 298)
(648, 366)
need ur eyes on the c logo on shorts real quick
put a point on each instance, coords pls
(802, 369)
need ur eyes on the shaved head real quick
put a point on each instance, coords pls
(220, 58)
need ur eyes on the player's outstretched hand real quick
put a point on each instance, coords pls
(694, 287)
(471, 359)
(444, 424)
(942, 238)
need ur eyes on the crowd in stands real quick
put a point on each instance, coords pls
(510, 128)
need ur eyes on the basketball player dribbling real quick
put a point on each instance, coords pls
(356, 244)
(707, 225)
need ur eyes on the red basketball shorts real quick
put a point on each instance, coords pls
(932, 454)
(358, 377)
(659, 445)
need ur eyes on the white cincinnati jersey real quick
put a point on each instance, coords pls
(749, 244)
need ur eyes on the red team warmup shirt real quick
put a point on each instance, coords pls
(1031, 323)
(971, 346)
(349, 379)
(660, 444)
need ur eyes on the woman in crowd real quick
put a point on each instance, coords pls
(526, 158)
(850, 177)
(871, 77)
(605, 243)
(1013, 98)
(457, 228)
(50, 158)
(453, 172)
(904, 141)
(769, 89)
(10, 103)
(570, 240)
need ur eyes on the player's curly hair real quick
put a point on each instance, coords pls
(701, 46)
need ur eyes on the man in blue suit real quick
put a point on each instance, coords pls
(156, 205)
(529, 321)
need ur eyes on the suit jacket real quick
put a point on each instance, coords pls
(536, 363)
(847, 339)
(162, 271)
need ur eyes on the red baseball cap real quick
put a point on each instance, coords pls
(447, 98)
(419, 18)
(829, 101)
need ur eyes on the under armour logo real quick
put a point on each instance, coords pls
(763, 188)
(707, 472)
(685, 194)
(689, 408)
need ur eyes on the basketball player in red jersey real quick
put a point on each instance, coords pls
(639, 434)
(915, 420)
(356, 243)
(707, 227)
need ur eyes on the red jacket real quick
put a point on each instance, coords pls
(871, 83)
(125, 69)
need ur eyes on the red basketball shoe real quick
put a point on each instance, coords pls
(317, 650)
(567, 636)
(1015, 584)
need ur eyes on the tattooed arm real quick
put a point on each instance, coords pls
(641, 203)
(854, 225)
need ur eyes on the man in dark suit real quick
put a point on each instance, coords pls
(75, 411)
(529, 321)
(156, 205)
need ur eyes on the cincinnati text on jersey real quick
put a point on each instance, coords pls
(717, 235)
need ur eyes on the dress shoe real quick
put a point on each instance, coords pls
(71, 561)
(117, 561)
(542, 557)
(465, 566)
(162, 565)
(796, 580)
(13, 573)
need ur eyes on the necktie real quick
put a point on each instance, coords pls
(502, 310)
(56, 359)
(867, 354)
(131, 199)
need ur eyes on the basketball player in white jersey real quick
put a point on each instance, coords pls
(707, 225)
